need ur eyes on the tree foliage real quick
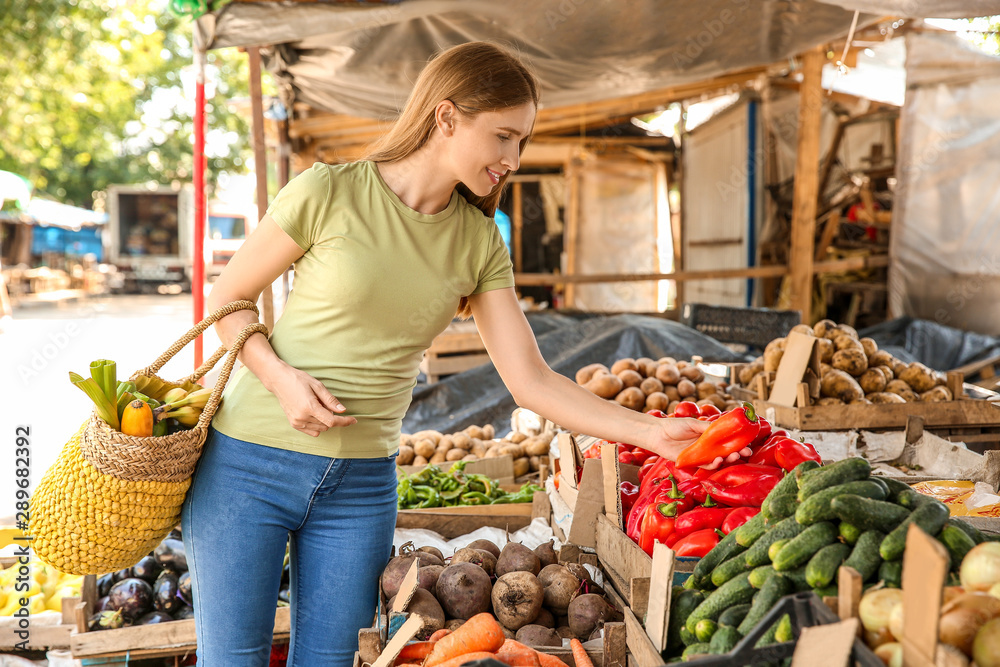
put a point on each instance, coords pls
(93, 94)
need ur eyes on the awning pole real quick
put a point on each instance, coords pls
(198, 260)
(260, 166)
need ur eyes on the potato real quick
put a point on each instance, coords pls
(845, 342)
(535, 462)
(886, 371)
(747, 372)
(492, 452)
(900, 387)
(671, 392)
(656, 401)
(686, 388)
(419, 461)
(536, 445)
(936, 395)
(851, 361)
(406, 439)
(772, 358)
(682, 364)
(433, 436)
(489, 432)
(478, 449)
(667, 360)
(826, 349)
(605, 386)
(673, 406)
(918, 376)
(824, 368)
(872, 381)
(880, 358)
(804, 329)
(651, 369)
(693, 373)
(668, 374)
(631, 398)
(522, 466)
(718, 400)
(623, 364)
(776, 344)
(706, 389)
(475, 432)
(439, 457)
(470, 458)
(838, 384)
(651, 386)
(584, 375)
(455, 454)
(940, 379)
(849, 330)
(870, 346)
(643, 364)
(630, 378)
(885, 397)
(829, 400)
(445, 443)
(821, 327)
(861, 401)
(517, 438)
(461, 441)
(514, 451)
(424, 448)
(405, 455)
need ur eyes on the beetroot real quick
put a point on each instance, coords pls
(427, 576)
(538, 635)
(517, 558)
(517, 599)
(589, 612)
(463, 590)
(546, 554)
(485, 545)
(545, 619)
(560, 590)
(483, 559)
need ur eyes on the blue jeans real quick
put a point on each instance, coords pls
(244, 502)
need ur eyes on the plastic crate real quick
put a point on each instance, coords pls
(755, 327)
(805, 610)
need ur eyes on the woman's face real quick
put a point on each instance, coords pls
(484, 147)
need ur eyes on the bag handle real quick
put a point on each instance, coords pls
(213, 401)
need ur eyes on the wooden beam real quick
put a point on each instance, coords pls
(517, 222)
(803, 243)
(571, 238)
(260, 165)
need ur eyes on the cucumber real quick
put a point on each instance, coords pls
(956, 542)
(931, 517)
(788, 486)
(733, 616)
(780, 507)
(772, 552)
(751, 531)
(891, 572)
(805, 545)
(841, 472)
(704, 629)
(798, 579)
(701, 576)
(732, 567)
(849, 533)
(687, 637)
(970, 530)
(682, 603)
(894, 485)
(759, 575)
(817, 506)
(869, 514)
(830, 591)
(783, 633)
(911, 499)
(735, 591)
(769, 636)
(724, 640)
(773, 590)
(822, 568)
(702, 648)
(880, 482)
(757, 554)
(865, 557)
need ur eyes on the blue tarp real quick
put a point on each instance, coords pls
(935, 345)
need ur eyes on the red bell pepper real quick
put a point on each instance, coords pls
(687, 409)
(764, 454)
(765, 432)
(733, 431)
(750, 494)
(657, 525)
(697, 544)
(659, 414)
(651, 484)
(700, 518)
(738, 517)
(709, 410)
(789, 453)
(647, 466)
(693, 489)
(742, 473)
(629, 493)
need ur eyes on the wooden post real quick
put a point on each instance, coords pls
(284, 169)
(572, 228)
(677, 231)
(260, 165)
(517, 220)
(803, 245)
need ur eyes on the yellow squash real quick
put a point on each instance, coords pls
(137, 419)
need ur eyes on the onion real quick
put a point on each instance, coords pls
(986, 647)
(981, 567)
(952, 592)
(995, 590)
(877, 638)
(896, 622)
(950, 656)
(876, 606)
(886, 652)
(959, 627)
(983, 602)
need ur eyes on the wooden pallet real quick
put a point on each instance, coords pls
(455, 350)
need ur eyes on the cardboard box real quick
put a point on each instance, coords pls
(586, 497)
(500, 468)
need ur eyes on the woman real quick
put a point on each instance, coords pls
(385, 251)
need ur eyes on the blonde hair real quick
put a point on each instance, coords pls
(476, 77)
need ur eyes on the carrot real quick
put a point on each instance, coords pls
(548, 660)
(460, 660)
(414, 652)
(580, 656)
(443, 632)
(481, 633)
(516, 654)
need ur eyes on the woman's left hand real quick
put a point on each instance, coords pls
(675, 434)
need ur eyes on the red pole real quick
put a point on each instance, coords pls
(198, 279)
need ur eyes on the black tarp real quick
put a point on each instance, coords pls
(935, 345)
(567, 343)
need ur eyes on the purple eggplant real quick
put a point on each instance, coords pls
(154, 617)
(121, 574)
(147, 569)
(133, 597)
(165, 596)
(104, 584)
(106, 620)
(184, 613)
(184, 587)
(170, 554)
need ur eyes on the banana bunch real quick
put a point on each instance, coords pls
(44, 587)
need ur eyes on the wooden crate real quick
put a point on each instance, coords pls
(458, 348)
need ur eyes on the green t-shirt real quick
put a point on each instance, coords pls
(378, 281)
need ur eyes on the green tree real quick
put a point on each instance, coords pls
(93, 94)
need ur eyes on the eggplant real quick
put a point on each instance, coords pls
(184, 613)
(147, 569)
(165, 596)
(104, 584)
(121, 575)
(175, 534)
(184, 587)
(154, 617)
(103, 604)
(133, 597)
(170, 554)
(106, 620)
(284, 595)
(286, 574)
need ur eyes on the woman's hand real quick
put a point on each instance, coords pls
(309, 406)
(676, 434)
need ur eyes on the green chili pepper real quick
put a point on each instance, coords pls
(429, 497)
(475, 498)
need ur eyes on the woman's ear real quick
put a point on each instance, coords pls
(444, 117)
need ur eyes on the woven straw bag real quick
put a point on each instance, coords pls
(110, 498)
